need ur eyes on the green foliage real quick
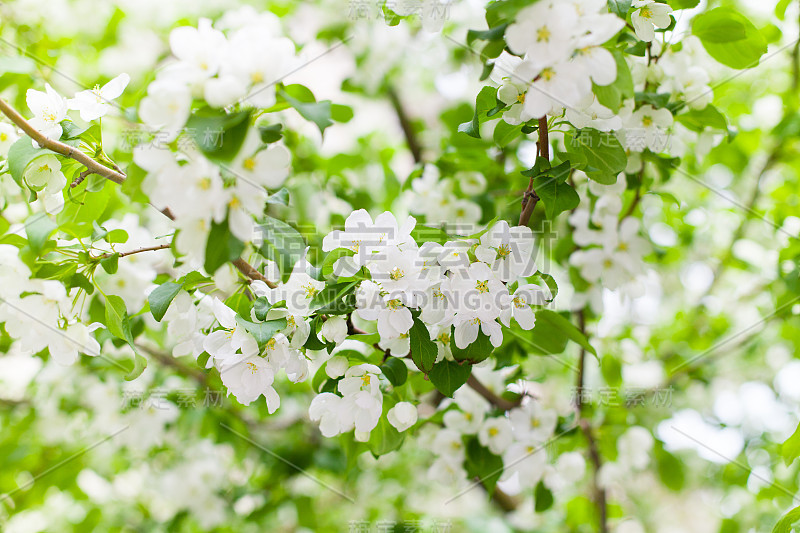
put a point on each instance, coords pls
(448, 376)
(482, 464)
(729, 37)
(219, 135)
(162, 297)
(600, 155)
(281, 243)
(222, 246)
(423, 349)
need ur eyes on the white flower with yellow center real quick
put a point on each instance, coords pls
(496, 435)
(649, 16)
(393, 317)
(49, 109)
(94, 103)
(250, 378)
(231, 344)
(508, 250)
(361, 393)
(8, 136)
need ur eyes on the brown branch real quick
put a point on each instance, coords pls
(586, 428)
(137, 251)
(492, 398)
(60, 148)
(93, 167)
(529, 197)
(405, 124)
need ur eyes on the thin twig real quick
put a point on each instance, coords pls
(405, 124)
(492, 398)
(594, 454)
(59, 147)
(530, 198)
(137, 251)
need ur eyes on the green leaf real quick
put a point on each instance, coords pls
(423, 349)
(139, 364)
(161, 297)
(280, 197)
(554, 320)
(20, 154)
(604, 156)
(219, 135)
(543, 498)
(789, 519)
(482, 464)
(504, 133)
(790, 449)
(270, 134)
(422, 233)
(261, 307)
(556, 194)
(729, 37)
(38, 228)
(485, 101)
(670, 469)
(117, 317)
(281, 243)
(110, 264)
(221, 246)
(476, 352)
(700, 119)
(620, 8)
(683, 4)
(395, 371)
(317, 112)
(262, 331)
(332, 300)
(384, 438)
(448, 376)
(119, 325)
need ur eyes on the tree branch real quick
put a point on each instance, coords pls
(60, 148)
(586, 428)
(101, 170)
(492, 398)
(137, 251)
(405, 124)
(529, 197)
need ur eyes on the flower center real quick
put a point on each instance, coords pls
(646, 13)
(253, 367)
(309, 290)
(647, 121)
(256, 77)
(543, 34)
(444, 338)
(547, 74)
(393, 304)
(396, 273)
(519, 302)
(503, 250)
(249, 163)
(482, 286)
(365, 380)
(493, 432)
(205, 184)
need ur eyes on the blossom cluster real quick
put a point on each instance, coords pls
(559, 54)
(50, 110)
(240, 69)
(610, 250)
